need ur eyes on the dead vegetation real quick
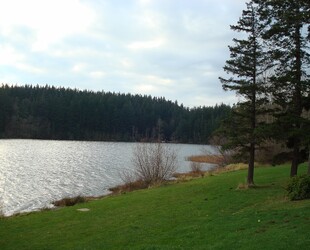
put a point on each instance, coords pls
(154, 164)
(129, 187)
(66, 202)
(213, 159)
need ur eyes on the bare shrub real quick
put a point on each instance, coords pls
(128, 176)
(128, 187)
(65, 202)
(154, 162)
(196, 167)
(226, 156)
(130, 182)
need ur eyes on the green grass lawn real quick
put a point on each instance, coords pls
(205, 213)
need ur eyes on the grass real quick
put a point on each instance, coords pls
(204, 213)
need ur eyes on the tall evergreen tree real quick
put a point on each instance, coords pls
(247, 63)
(288, 35)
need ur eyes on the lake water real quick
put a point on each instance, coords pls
(34, 173)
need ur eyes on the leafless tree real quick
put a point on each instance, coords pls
(154, 162)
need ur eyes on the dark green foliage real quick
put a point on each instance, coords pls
(286, 35)
(58, 113)
(271, 74)
(247, 64)
(299, 187)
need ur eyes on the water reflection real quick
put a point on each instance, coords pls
(33, 173)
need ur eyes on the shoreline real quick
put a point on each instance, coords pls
(129, 187)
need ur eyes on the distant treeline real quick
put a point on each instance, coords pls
(69, 114)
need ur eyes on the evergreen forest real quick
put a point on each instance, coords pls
(36, 112)
(269, 68)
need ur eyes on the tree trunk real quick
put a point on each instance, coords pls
(309, 162)
(297, 104)
(295, 160)
(250, 178)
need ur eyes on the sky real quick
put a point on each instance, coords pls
(165, 48)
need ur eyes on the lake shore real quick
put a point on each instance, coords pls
(210, 212)
(38, 172)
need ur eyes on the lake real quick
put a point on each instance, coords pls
(34, 173)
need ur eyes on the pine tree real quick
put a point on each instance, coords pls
(288, 35)
(247, 63)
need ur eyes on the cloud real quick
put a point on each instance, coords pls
(152, 84)
(9, 56)
(50, 21)
(97, 74)
(79, 67)
(146, 44)
(173, 48)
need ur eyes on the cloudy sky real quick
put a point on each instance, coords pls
(170, 48)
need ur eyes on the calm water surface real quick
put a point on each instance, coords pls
(33, 173)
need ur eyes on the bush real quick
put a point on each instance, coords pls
(154, 163)
(69, 201)
(196, 167)
(299, 187)
(128, 186)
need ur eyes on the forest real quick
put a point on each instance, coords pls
(37, 112)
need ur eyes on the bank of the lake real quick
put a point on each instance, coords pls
(34, 173)
(205, 213)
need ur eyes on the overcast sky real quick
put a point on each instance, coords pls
(170, 48)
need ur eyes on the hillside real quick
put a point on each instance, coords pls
(205, 213)
(34, 112)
